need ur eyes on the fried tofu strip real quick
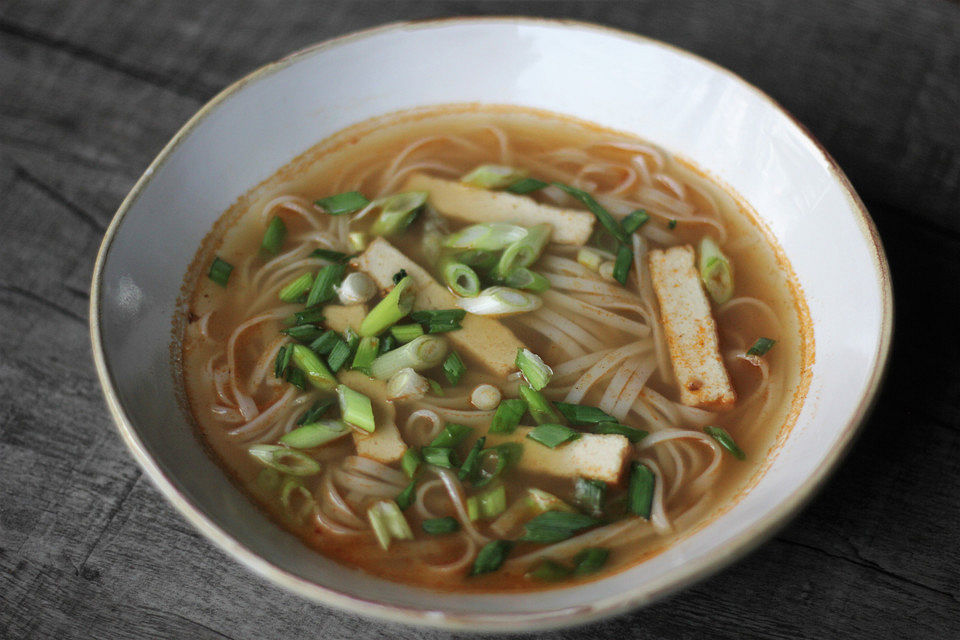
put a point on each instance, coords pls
(384, 444)
(471, 204)
(690, 330)
(484, 340)
(340, 318)
(595, 456)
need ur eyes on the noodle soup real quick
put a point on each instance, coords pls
(490, 349)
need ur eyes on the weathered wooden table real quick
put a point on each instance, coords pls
(91, 89)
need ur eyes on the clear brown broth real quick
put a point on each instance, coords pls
(760, 272)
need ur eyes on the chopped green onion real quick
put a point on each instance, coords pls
(602, 215)
(582, 414)
(726, 441)
(357, 241)
(323, 286)
(325, 343)
(316, 372)
(541, 409)
(588, 494)
(422, 353)
(493, 176)
(634, 220)
(410, 462)
(366, 354)
(220, 271)
(405, 333)
(330, 256)
(460, 278)
(489, 236)
(552, 435)
(485, 397)
(526, 185)
(315, 434)
(294, 463)
(440, 526)
(353, 340)
(613, 428)
(451, 435)
(589, 259)
(435, 387)
(343, 203)
(314, 413)
(406, 497)
(399, 275)
(556, 526)
(590, 560)
(282, 361)
(506, 456)
(524, 251)
(640, 491)
(407, 384)
(274, 236)
(439, 456)
(478, 259)
(500, 301)
(621, 268)
(296, 288)
(297, 378)
(533, 502)
(356, 288)
(387, 343)
(471, 464)
(304, 332)
(534, 369)
(388, 523)
(439, 320)
(388, 311)
(453, 367)
(672, 224)
(527, 280)
(338, 355)
(491, 556)
(548, 571)
(716, 272)
(356, 408)
(294, 488)
(487, 505)
(310, 315)
(761, 346)
(508, 415)
(397, 212)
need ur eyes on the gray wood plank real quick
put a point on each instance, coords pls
(90, 91)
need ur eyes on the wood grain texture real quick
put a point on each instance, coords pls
(90, 90)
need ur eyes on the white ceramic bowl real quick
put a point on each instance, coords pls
(619, 80)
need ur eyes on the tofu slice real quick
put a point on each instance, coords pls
(482, 339)
(384, 444)
(472, 204)
(690, 330)
(340, 318)
(592, 455)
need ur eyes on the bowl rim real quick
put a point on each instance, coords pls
(642, 594)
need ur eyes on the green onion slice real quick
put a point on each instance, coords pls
(410, 462)
(553, 435)
(602, 215)
(220, 271)
(487, 505)
(541, 409)
(527, 280)
(397, 212)
(422, 353)
(315, 412)
(460, 278)
(316, 372)
(493, 176)
(726, 441)
(524, 251)
(534, 369)
(500, 301)
(274, 236)
(440, 526)
(406, 497)
(503, 457)
(761, 346)
(613, 428)
(634, 220)
(556, 526)
(388, 523)
(582, 414)
(471, 464)
(640, 490)
(590, 560)
(405, 333)
(439, 456)
(508, 415)
(294, 463)
(356, 408)
(323, 286)
(330, 256)
(454, 368)
(621, 267)
(343, 203)
(548, 571)
(439, 320)
(282, 361)
(526, 185)
(338, 355)
(488, 236)
(315, 434)
(365, 355)
(491, 557)
(296, 288)
(589, 495)
(716, 272)
(452, 435)
(388, 311)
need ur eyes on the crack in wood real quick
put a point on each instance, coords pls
(104, 61)
(39, 299)
(114, 510)
(20, 172)
(866, 564)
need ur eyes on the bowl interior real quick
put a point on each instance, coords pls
(620, 81)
